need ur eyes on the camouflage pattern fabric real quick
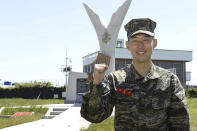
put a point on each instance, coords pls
(144, 24)
(154, 103)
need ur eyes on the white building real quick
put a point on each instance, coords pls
(174, 60)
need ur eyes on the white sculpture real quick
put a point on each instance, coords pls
(107, 35)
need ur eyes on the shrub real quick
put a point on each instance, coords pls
(43, 90)
(191, 93)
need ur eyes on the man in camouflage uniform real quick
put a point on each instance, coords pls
(145, 96)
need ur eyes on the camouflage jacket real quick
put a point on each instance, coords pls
(156, 102)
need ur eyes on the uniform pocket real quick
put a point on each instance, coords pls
(160, 99)
(160, 102)
(121, 99)
(157, 103)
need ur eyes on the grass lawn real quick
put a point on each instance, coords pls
(108, 124)
(28, 102)
(38, 111)
(6, 122)
(16, 121)
(192, 103)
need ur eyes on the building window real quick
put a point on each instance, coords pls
(120, 43)
(86, 68)
(91, 68)
(82, 86)
(179, 71)
(178, 67)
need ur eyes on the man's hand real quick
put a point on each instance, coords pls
(99, 73)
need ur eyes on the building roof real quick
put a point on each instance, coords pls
(158, 54)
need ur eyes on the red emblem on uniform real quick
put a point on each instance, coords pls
(124, 91)
(129, 93)
(120, 90)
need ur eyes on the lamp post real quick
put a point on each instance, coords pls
(67, 68)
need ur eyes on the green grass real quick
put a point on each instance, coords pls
(108, 124)
(38, 111)
(6, 122)
(28, 102)
(192, 103)
(19, 120)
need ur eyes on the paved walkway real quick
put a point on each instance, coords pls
(69, 120)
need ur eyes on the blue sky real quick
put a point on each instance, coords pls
(34, 34)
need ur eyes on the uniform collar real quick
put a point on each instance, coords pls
(154, 72)
(133, 75)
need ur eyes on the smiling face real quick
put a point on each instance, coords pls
(141, 47)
